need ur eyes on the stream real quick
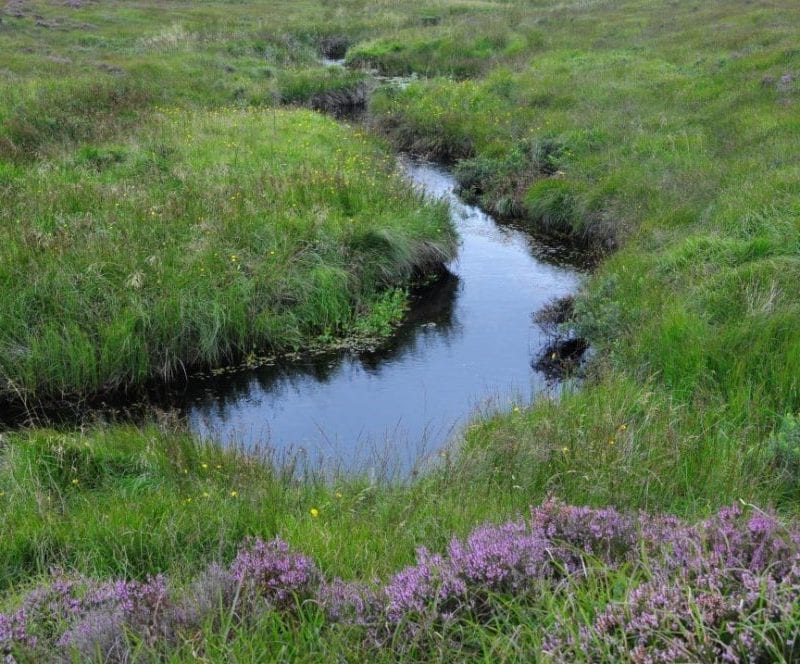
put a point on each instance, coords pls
(467, 346)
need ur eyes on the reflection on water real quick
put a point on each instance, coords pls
(469, 341)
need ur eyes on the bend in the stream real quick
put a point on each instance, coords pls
(469, 341)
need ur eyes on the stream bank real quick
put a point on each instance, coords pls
(468, 345)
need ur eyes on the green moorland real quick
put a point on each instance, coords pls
(203, 278)
(664, 136)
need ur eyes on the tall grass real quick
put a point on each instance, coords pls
(676, 149)
(202, 237)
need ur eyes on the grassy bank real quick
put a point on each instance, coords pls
(128, 502)
(203, 237)
(663, 136)
(624, 128)
(244, 231)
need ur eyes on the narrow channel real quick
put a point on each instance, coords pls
(467, 346)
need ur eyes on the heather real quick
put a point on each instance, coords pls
(725, 588)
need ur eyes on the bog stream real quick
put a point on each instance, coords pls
(467, 346)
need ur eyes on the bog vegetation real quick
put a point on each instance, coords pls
(169, 200)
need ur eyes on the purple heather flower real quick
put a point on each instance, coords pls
(275, 573)
(724, 589)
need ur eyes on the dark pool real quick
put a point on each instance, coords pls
(467, 346)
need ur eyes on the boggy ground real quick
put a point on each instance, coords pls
(666, 131)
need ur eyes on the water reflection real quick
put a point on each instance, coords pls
(469, 340)
(431, 313)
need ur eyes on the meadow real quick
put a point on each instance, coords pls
(661, 137)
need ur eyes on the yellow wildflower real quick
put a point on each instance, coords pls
(314, 512)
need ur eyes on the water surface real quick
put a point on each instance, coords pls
(468, 344)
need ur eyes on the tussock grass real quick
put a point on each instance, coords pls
(333, 90)
(203, 237)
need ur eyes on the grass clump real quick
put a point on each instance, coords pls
(243, 231)
(333, 90)
(302, 86)
(553, 205)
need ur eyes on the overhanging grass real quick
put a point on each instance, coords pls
(202, 237)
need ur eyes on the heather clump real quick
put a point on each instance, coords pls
(76, 616)
(725, 615)
(13, 631)
(518, 559)
(106, 613)
(727, 588)
(351, 602)
(87, 617)
(604, 533)
(273, 572)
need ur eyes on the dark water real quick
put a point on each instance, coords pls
(468, 345)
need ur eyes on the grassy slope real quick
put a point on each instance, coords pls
(665, 127)
(671, 130)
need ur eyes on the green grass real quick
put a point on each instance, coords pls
(243, 232)
(627, 129)
(122, 501)
(459, 51)
(127, 501)
(301, 86)
(666, 132)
